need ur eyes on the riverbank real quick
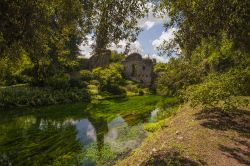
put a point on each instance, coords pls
(27, 96)
(197, 137)
(24, 95)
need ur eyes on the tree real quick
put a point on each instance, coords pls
(114, 20)
(197, 20)
(213, 69)
(110, 78)
(47, 31)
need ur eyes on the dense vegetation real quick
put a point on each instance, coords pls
(209, 56)
(39, 47)
(213, 64)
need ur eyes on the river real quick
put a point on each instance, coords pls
(99, 133)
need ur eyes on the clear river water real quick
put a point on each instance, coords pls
(99, 133)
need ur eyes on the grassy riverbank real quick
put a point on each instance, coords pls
(20, 96)
(197, 137)
(24, 95)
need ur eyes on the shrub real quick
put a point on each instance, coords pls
(141, 93)
(32, 96)
(75, 82)
(219, 89)
(152, 127)
(59, 81)
(109, 78)
(86, 75)
(115, 90)
(132, 88)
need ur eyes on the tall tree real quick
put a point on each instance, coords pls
(48, 31)
(114, 20)
(202, 19)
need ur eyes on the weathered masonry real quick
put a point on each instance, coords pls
(139, 69)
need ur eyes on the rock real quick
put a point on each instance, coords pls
(180, 137)
(177, 132)
(154, 150)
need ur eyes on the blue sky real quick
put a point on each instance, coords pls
(147, 37)
(152, 36)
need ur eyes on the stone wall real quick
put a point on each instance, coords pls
(100, 59)
(138, 69)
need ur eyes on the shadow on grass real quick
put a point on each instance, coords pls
(240, 152)
(237, 120)
(171, 158)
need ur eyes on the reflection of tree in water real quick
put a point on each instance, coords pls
(134, 119)
(28, 145)
(130, 133)
(101, 127)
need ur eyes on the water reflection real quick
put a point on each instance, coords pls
(70, 136)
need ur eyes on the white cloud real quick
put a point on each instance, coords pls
(165, 36)
(134, 47)
(148, 24)
(158, 58)
(152, 19)
(85, 47)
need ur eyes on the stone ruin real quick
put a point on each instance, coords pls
(136, 68)
(139, 69)
(100, 59)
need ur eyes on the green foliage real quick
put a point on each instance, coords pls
(31, 96)
(86, 75)
(220, 89)
(115, 20)
(117, 57)
(13, 74)
(215, 72)
(141, 93)
(152, 127)
(59, 81)
(200, 19)
(177, 74)
(110, 78)
(48, 32)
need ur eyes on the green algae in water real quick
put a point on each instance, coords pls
(95, 134)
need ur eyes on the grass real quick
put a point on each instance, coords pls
(203, 137)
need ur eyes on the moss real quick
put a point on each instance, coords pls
(151, 127)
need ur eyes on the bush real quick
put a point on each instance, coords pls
(152, 127)
(32, 96)
(75, 82)
(110, 78)
(115, 90)
(219, 89)
(132, 88)
(59, 81)
(86, 75)
(141, 93)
